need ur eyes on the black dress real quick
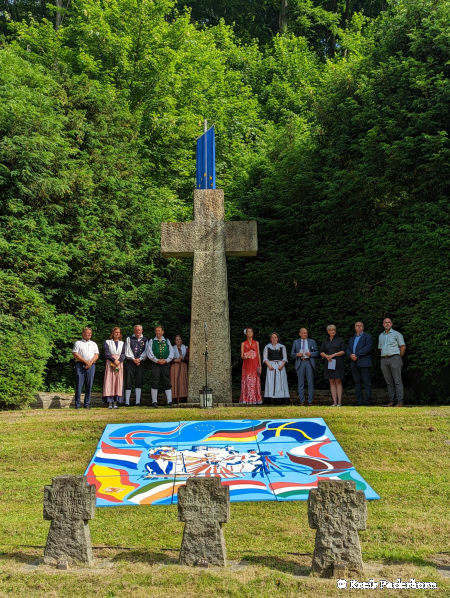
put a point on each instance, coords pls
(330, 347)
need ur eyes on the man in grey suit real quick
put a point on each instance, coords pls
(304, 351)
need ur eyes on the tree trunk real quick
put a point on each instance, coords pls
(283, 16)
(333, 36)
(346, 14)
(58, 14)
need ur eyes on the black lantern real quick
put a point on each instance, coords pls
(206, 398)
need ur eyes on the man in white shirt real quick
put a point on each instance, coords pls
(160, 353)
(85, 353)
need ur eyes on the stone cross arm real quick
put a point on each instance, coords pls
(204, 500)
(69, 497)
(337, 501)
(181, 239)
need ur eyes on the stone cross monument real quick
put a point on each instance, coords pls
(337, 511)
(69, 503)
(209, 240)
(204, 504)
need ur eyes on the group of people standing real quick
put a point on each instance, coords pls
(333, 351)
(168, 365)
(125, 366)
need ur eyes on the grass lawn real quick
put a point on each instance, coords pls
(404, 454)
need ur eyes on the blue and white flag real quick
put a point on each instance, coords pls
(206, 160)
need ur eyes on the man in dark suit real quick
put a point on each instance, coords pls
(359, 349)
(304, 350)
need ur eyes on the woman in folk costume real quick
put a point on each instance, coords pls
(251, 370)
(275, 358)
(114, 349)
(179, 371)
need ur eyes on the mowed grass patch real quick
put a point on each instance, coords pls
(402, 454)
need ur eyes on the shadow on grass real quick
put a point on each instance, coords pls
(415, 561)
(146, 556)
(20, 557)
(273, 562)
(130, 556)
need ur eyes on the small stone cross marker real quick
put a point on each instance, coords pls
(204, 504)
(337, 511)
(69, 503)
(209, 240)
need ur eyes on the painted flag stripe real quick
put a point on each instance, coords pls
(119, 451)
(249, 483)
(118, 456)
(144, 493)
(109, 461)
(132, 435)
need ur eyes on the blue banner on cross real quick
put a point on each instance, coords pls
(206, 160)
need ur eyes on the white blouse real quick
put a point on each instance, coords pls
(176, 353)
(112, 346)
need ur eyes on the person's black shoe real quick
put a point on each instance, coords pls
(170, 404)
(77, 406)
(155, 405)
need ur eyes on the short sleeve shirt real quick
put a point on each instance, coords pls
(390, 343)
(85, 349)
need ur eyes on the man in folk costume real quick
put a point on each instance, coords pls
(160, 353)
(135, 354)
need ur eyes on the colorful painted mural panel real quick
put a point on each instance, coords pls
(145, 464)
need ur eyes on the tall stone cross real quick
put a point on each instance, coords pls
(337, 511)
(209, 240)
(69, 503)
(204, 504)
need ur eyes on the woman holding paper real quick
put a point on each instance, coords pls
(333, 351)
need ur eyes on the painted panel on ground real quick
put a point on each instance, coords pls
(139, 464)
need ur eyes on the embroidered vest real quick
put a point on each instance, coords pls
(160, 349)
(137, 346)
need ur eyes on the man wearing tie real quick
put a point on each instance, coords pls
(358, 349)
(304, 351)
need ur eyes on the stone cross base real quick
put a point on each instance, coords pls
(204, 504)
(69, 541)
(203, 541)
(337, 511)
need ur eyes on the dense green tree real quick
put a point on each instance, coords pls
(354, 211)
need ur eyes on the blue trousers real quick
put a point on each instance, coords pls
(305, 369)
(361, 375)
(84, 378)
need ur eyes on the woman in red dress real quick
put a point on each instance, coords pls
(251, 371)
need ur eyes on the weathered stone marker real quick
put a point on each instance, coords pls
(69, 503)
(337, 511)
(204, 504)
(209, 240)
